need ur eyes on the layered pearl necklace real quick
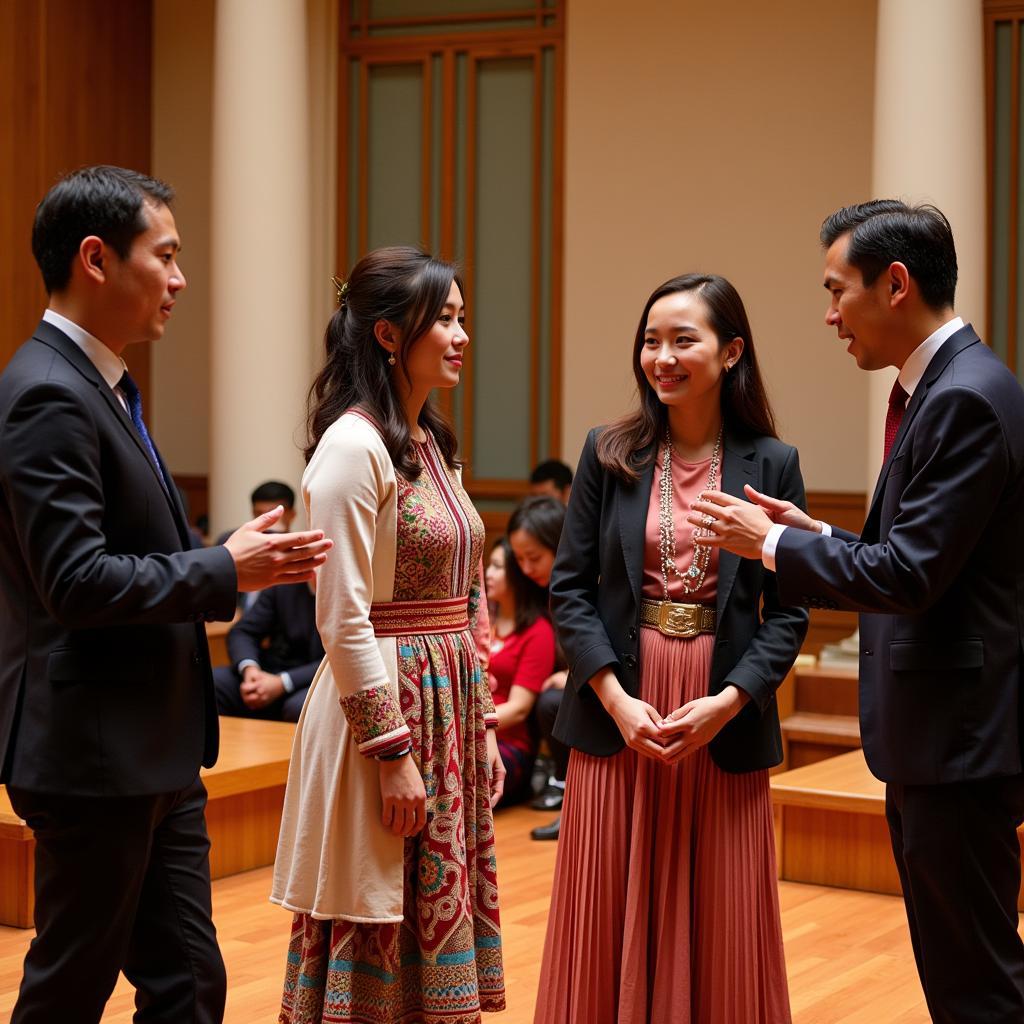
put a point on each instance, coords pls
(693, 578)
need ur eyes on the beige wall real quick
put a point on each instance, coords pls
(182, 91)
(716, 137)
(698, 137)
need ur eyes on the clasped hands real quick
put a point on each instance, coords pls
(259, 688)
(742, 526)
(683, 732)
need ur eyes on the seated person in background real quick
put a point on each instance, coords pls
(552, 478)
(271, 681)
(522, 657)
(533, 532)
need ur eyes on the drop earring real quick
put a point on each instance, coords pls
(391, 359)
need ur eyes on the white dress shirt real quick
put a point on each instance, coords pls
(910, 376)
(111, 366)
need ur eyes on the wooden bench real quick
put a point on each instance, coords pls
(246, 789)
(830, 826)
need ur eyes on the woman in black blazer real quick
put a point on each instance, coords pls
(665, 906)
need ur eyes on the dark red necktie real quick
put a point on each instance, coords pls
(894, 416)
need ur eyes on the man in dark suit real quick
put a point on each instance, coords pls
(107, 707)
(938, 577)
(275, 650)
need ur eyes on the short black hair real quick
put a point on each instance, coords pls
(100, 200)
(275, 491)
(886, 231)
(555, 471)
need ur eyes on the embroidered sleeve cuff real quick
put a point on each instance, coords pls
(376, 721)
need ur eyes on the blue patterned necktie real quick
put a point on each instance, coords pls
(131, 392)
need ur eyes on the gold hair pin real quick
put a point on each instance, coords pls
(342, 289)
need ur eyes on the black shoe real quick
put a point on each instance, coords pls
(548, 831)
(548, 799)
(543, 769)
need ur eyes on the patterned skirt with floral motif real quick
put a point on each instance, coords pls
(442, 964)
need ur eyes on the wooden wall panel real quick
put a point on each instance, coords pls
(74, 90)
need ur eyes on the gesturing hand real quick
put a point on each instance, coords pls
(736, 525)
(785, 513)
(404, 796)
(266, 559)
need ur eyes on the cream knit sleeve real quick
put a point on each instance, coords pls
(347, 483)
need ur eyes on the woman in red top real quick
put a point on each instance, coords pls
(522, 657)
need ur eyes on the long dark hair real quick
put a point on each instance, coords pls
(541, 517)
(408, 288)
(622, 447)
(529, 598)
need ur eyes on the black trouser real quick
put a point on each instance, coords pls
(226, 683)
(122, 884)
(547, 711)
(958, 856)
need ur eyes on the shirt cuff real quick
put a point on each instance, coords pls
(771, 542)
(245, 663)
(286, 682)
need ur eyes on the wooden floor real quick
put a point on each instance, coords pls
(848, 953)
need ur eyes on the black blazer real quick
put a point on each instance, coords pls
(105, 683)
(285, 617)
(938, 576)
(595, 601)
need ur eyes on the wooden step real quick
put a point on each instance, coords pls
(246, 793)
(810, 737)
(830, 826)
(826, 691)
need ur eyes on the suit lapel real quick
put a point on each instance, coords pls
(953, 345)
(633, 502)
(739, 467)
(56, 339)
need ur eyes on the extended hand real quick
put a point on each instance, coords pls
(495, 767)
(735, 524)
(785, 513)
(266, 559)
(699, 721)
(404, 796)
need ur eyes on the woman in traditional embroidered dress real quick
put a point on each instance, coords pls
(522, 658)
(386, 852)
(665, 906)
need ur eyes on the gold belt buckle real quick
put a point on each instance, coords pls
(679, 619)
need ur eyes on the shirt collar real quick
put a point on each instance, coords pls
(918, 360)
(110, 366)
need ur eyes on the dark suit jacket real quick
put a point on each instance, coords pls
(285, 616)
(595, 601)
(938, 575)
(105, 684)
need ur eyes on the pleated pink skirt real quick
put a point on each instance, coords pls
(665, 905)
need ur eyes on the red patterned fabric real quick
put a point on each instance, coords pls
(894, 416)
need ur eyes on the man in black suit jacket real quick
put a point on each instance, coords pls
(938, 577)
(275, 650)
(107, 706)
